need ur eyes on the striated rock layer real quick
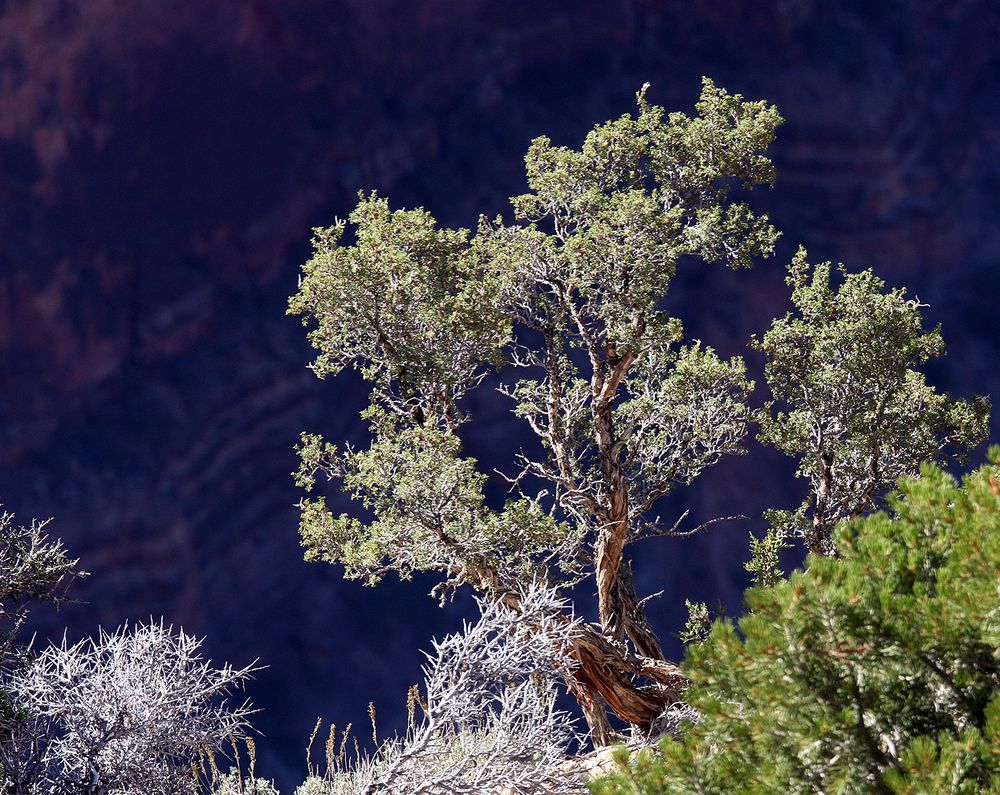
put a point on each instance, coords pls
(162, 164)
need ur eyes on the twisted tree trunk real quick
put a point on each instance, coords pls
(606, 672)
(619, 609)
(609, 669)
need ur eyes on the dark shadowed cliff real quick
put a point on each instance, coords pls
(161, 165)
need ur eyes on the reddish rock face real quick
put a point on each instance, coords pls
(162, 164)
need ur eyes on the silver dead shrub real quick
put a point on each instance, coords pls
(490, 722)
(233, 783)
(129, 712)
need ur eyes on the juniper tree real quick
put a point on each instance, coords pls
(568, 298)
(848, 401)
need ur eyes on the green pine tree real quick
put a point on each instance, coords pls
(877, 670)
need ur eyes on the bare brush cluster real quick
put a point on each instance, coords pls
(234, 784)
(32, 569)
(128, 712)
(234, 781)
(490, 722)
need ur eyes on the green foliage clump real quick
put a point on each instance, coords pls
(874, 671)
(429, 508)
(409, 304)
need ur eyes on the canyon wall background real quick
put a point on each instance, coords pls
(162, 163)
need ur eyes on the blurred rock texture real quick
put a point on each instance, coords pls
(161, 165)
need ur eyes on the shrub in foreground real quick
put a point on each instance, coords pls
(875, 671)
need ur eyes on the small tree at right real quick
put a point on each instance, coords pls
(850, 404)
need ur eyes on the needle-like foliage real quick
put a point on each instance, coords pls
(877, 671)
(33, 569)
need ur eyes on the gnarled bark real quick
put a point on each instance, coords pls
(613, 518)
(607, 671)
(628, 607)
